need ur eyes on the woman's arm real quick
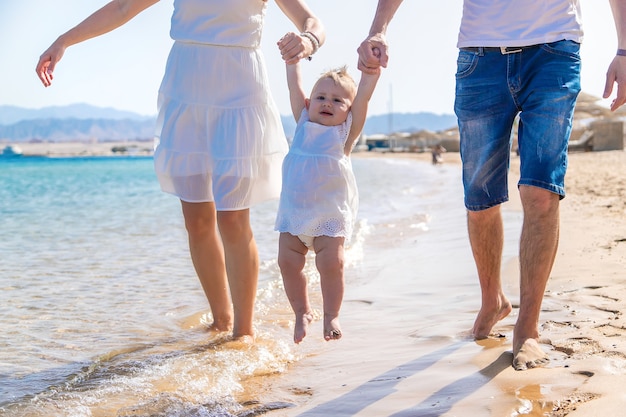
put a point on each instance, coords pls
(111, 16)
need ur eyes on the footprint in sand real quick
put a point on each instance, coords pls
(579, 347)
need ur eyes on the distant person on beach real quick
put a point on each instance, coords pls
(220, 139)
(319, 198)
(514, 60)
(436, 152)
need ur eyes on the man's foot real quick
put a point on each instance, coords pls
(487, 318)
(528, 355)
(301, 326)
(332, 329)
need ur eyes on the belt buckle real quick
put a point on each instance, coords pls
(505, 51)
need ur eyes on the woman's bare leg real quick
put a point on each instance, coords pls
(207, 256)
(242, 267)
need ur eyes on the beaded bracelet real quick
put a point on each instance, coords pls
(314, 41)
(621, 52)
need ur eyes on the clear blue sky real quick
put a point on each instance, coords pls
(123, 69)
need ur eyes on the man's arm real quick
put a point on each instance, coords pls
(368, 61)
(617, 70)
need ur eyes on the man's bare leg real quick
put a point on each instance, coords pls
(487, 238)
(329, 259)
(538, 246)
(291, 260)
(207, 256)
(242, 267)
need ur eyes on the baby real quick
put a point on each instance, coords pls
(319, 197)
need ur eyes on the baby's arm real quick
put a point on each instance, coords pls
(359, 107)
(297, 95)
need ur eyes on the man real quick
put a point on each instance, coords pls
(516, 58)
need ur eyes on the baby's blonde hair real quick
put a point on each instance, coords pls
(341, 77)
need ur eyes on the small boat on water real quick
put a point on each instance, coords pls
(11, 151)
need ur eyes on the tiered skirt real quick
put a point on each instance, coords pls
(219, 136)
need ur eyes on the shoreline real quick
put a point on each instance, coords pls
(80, 149)
(146, 147)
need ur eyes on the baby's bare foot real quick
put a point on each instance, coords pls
(332, 329)
(529, 355)
(486, 319)
(301, 326)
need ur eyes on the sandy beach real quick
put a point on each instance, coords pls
(394, 362)
(410, 366)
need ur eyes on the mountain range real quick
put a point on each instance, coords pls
(83, 122)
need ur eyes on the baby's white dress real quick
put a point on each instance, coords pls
(219, 134)
(319, 195)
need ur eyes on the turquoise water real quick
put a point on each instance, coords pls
(102, 314)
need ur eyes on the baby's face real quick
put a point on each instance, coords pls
(330, 103)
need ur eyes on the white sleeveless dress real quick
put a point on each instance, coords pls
(319, 195)
(219, 135)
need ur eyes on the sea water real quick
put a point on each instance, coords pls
(102, 313)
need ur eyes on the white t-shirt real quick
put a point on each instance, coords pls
(519, 22)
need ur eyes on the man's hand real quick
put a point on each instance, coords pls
(616, 74)
(373, 54)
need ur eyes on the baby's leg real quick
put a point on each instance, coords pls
(329, 260)
(291, 260)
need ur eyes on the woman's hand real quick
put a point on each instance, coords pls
(47, 62)
(294, 47)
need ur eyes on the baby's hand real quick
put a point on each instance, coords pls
(372, 54)
(375, 72)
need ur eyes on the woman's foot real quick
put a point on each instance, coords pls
(217, 325)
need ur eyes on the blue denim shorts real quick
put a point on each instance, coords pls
(540, 83)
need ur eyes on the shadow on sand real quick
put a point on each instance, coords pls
(436, 404)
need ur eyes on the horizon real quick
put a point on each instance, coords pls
(600, 102)
(117, 109)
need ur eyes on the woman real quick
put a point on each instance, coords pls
(220, 142)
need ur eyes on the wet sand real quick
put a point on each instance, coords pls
(394, 363)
